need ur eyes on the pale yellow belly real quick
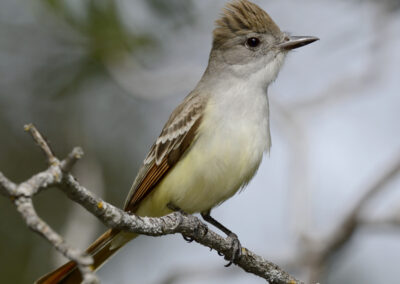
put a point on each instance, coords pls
(213, 170)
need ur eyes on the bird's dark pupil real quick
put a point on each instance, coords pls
(253, 42)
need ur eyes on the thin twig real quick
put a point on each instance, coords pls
(23, 193)
(73, 157)
(7, 188)
(51, 159)
(188, 225)
(25, 207)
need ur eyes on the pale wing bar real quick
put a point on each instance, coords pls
(176, 137)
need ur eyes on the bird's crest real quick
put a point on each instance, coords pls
(241, 17)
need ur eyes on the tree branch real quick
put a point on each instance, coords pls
(188, 225)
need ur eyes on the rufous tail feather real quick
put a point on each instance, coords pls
(101, 250)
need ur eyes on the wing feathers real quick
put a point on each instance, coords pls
(145, 187)
(176, 137)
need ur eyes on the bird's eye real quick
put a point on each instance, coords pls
(252, 42)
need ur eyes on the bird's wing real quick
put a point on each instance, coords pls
(178, 134)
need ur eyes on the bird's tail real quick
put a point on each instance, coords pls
(101, 250)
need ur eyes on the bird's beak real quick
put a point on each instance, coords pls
(292, 42)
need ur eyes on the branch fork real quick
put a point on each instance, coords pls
(58, 175)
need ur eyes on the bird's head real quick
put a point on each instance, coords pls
(246, 41)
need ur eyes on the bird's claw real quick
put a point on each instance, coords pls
(188, 239)
(236, 248)
(200, 231)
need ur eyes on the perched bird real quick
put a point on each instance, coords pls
(213, 142)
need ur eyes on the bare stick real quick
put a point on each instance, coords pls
(71, 159)
(25, 208)
(7, 188)
(189, 226)
(51, 159)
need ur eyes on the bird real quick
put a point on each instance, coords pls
(213, 142)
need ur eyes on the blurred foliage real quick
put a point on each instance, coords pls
(100, 34)
(106, 35)
(389, 5)
(180, 11)
(102, 37)
(51, 80)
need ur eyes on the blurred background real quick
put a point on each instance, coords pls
(105, 75)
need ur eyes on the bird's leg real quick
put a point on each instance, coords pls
(236, 246)
(177, 209)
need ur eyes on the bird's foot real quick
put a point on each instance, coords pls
(236, 248)
(201, 228)
(188, 239)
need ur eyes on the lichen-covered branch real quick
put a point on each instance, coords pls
(25, 208)
(22, 195)
(58, 175)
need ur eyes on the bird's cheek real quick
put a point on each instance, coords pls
(235, 56)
